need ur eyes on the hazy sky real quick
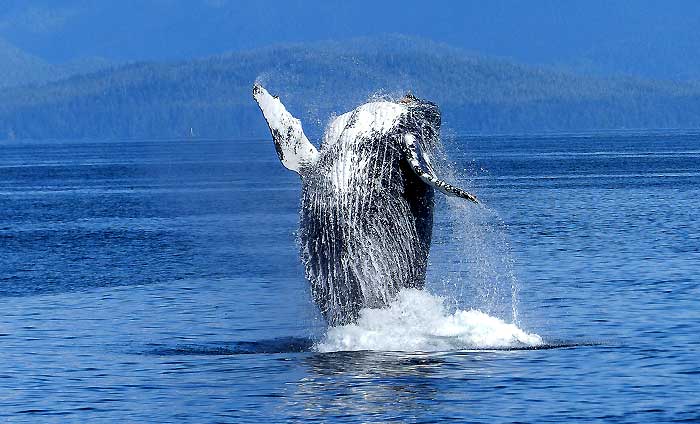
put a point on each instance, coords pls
(546, 31)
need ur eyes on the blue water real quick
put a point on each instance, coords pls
(160, 282)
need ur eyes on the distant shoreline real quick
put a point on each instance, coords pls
(641, 132)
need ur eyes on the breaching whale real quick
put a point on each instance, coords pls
(366, 216)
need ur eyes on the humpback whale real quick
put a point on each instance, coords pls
(366, 216)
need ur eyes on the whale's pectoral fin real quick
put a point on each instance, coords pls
(420, 164)
(293, 148)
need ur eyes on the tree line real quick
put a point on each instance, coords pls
(212, 97)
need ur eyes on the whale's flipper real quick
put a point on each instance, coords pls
(293, 148)
(420, 164)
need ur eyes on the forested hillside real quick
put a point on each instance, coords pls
(211, 97)
(643, 38)
(18, 67)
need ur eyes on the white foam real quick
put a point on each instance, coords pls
(419, 321)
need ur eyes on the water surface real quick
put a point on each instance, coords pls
(159, 281)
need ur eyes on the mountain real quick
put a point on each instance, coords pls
(20, 68)
(212, 97)
(645, 38)
(652, 55)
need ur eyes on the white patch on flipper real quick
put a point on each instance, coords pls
(294, 149)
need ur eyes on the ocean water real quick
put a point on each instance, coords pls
(159, 281)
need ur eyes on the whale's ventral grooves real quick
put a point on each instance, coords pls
(367, 200)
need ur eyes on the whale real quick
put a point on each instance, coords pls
(367, 199)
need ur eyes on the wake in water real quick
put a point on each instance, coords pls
(420, 321)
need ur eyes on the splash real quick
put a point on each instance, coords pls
(420, 321)
(472, 262)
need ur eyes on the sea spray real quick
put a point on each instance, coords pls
(472, 264)
(419, 321)
(471, 261)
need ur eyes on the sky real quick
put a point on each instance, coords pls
(645, 37)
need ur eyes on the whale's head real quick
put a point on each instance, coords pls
(421, 136)
(423, 119)
(412, 122)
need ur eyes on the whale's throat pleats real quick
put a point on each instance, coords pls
(366, 226)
